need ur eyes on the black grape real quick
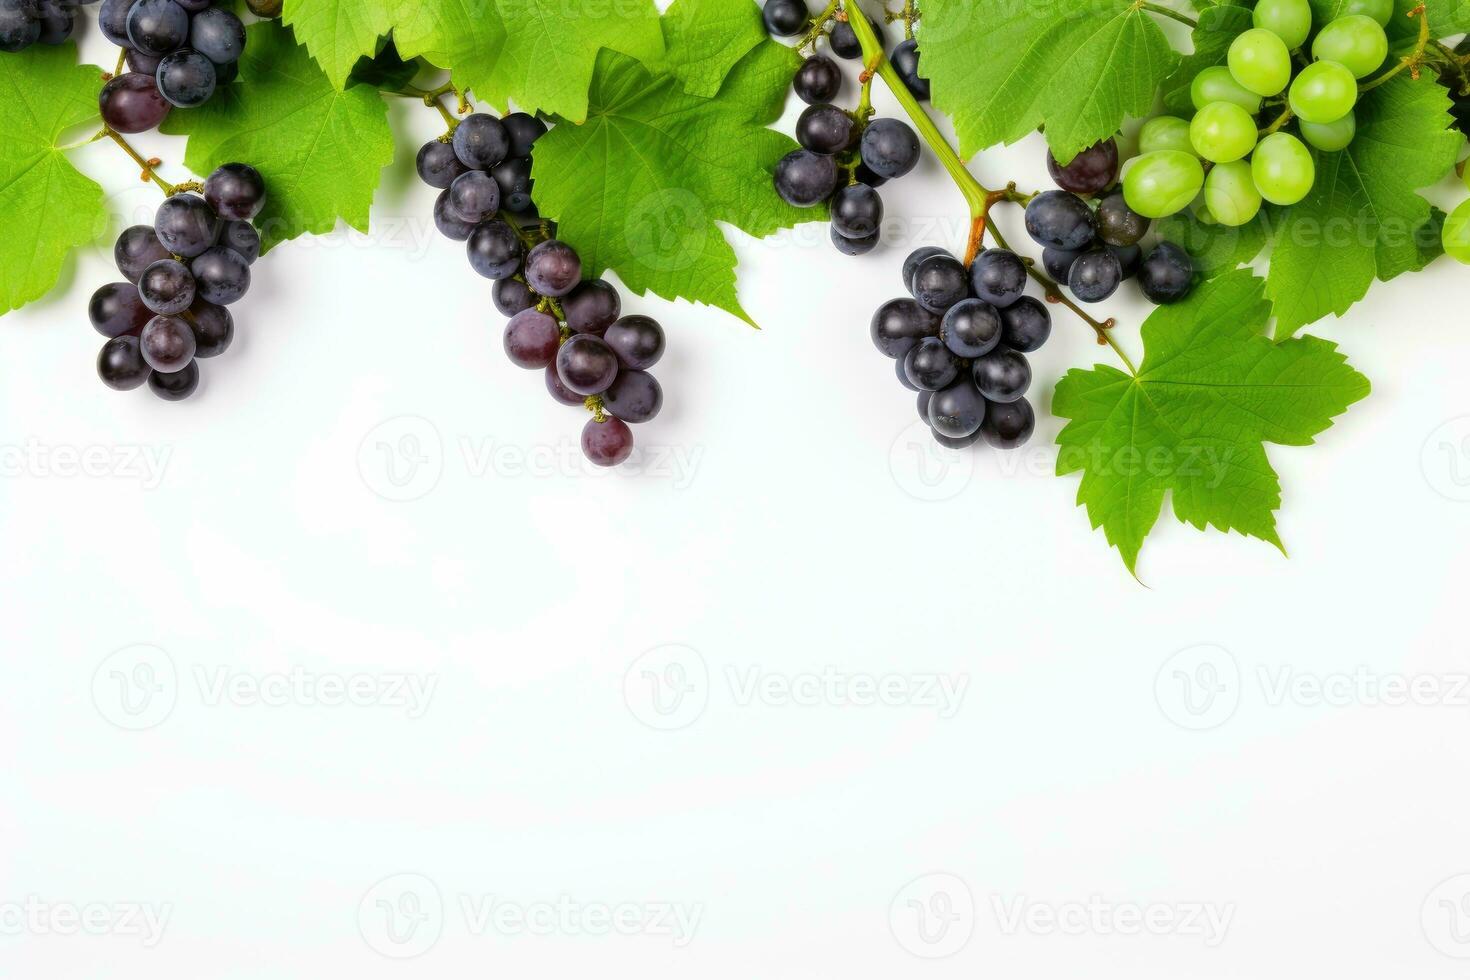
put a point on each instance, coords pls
(1130, 257)
(785, 18)
(112, 20)
(925, 397)
(1118, 224)
(168, 343)
(146, 63)
(223, 276)
(957, 411)
(998, 277)
(494, 250)
(167, 287)
(899, 324)
(857, 211)
(512, 296)
(1095, 276)
(911, 264)
(905, 60)
(531, 339)
(553, 268)
(559, 391)
(1009, 425)
(592, 307)
(931, 366)
(903, 379)
(20, 24)
(1167, 275)
(825, 129)
(634, 397)
(514, 177)
(1058, 264)
(438, 164)
(1091, 172)
(608, 443)
(864, 175)
(117, 310)
(853, 246)
(186, 78)
(890, 148)
(638, 341)
(1025, 325)
(131, 103)
(971, 328)
(451, 225)
(1002, 375)
(175, 386)
(844, 39)
(818, 80)
(524, 130)
(481, 141)
(157, 26)
(213, 326)
(957, 444)
(586, 364)
(218, 35)
(241, 238)
(474, 196)
(120, 364)
(1057, 219)
(805, 179)
(58, 19)
(940, 282)
(186, 225)
(137, 248)
(235, 191)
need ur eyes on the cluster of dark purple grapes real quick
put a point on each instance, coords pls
(960, 340)
(1091, 252)
(181, 274)
(789, 18)
(179, 52)
(570, 328)
(844, 157)
(27, 22)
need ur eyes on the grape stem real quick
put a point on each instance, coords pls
(1286, 116)
(1162, 11)
(148, 165)
(979, 197)
(819, 26)
(432, 97)
(1414, 61)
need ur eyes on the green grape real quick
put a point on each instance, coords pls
(1163, 183)
(1222, 132)
(1324, 92)
(1164, 133)
(1231, 195)
(1260, 61)
(1379, 10)
(1333, 136)
(1216, 84)
(1457, 234)
(1283, 169)
(1357, 43)
(1290, 20)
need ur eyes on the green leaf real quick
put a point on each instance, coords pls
(1216, 248)
(1364, 218)
(1218, 28)
(1446, 17)
(47, 207)
(321, 151)
(1211, 391)
(338, 32)
(641, 186)
(1001, 68)
(707, 38)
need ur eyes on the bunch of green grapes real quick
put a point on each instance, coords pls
(1224, 152)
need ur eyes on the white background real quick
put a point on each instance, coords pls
(786, 529)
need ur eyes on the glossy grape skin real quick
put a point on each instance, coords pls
(905, 60)
(112, 20)
(785, 18)
(1323, 92)
(241, 238)
(236, 191)
(1167, 274)
(586, 364)
(116, 310)
(531, 339)
(890, 148)
(167, 287)
(998, 277)
(805, 179)
(58, 20)
(480, 141)
(494, 250)
(1231, 195)
(925, 397)
(1062, 220)
(222, 276)
(1025, 325)
(558, 391)
(131, 103)
(592, 307)
(553, 268)
(474, 196)
(903, 379)
(940, 282)
(1008, 425)
(186, 225)
(1002, 376)
(638, 341)
(514, 177)
(857, 211)
(956, 444)
(1095, 276)
(1456, 236)
(818, 80)
(853, 246)
(1330, 137)
(1358, 43)
(931, 366)
(186, 78)
(147, 63)
(826, 129)
(957, 411)
(609, 443)
(1129, 257)
(899, 324)
(218, 35)
(20, 24)
(971, 328)
(177, 385)
(450, 224)
(1283, 169)
(1058, 264)
(911, 264)
(1380, 11)
(157, 27)
(524, 130)
(635, 397)
(1118, 224)
(1091, 172)
(1290, 20)
(1216, 84)
(168, 343)
(120, 364)
(1163, 183)
(1223, 132)
(213, 326)
(1260, 62)
(1164, 133)
(137, 248)
(844, 40)
(511, 296)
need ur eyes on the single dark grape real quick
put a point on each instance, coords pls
(168, 343)
(1090, 173)
(137, 248)
(241, 238)
(957, 444)
(1058, 264)
(638, 341)
(903, 379)
(20, 24)
(940, 282)
(112, 20)
(592, 307)
(117, 309)
(186, 225)
(218, 35)
(1002, 375)
(911, 264)
(890, 148)
(931, 366)
(1130, 257)
(559, 391)
(826, 129)
(971, 328)
(805, 179)
(167, 287)
(58, 20)
(213, 326)
(853, 246)
(553, 268)
(857, 211)
(158, 26)
(494, 250)
(236, 191)
(1095, 275)
(611, 442)
(586, 364)
(634, 397)
(785, 18)
(524, 130)
(120, 364)
(474, 196)
(131, 103)
(1167, 275)
(146, 63)
(899, 324)
(905, 60)
(223, 276)
(186, 78)
(531, 339)
(480, 141)
(818, 80)
(958, 410)
(438, 164)
(1009, 425)
(450, 224)
(863, 174)
(1025, 325)
(998, 277)
(514, 177)
(512, 296)
(844, 39)
(1118, 224)
(1057, 219)
(175, 386)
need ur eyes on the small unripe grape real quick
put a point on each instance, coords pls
(1163, 183)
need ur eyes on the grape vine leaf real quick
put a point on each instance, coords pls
(707, 38)
(1212, 389)
(1216, 248)
(1000, 68)
(321, 151)
(641, 186)
(1364, 218)
(1218, 28)
(47, 207)
(338, 32)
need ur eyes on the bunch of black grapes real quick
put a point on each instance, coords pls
(569, 328)
(182, 274)
(790, 18)
(960, 339)
(27, 22)
(1091, 252)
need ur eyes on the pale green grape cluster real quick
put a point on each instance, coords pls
(1237, 153)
